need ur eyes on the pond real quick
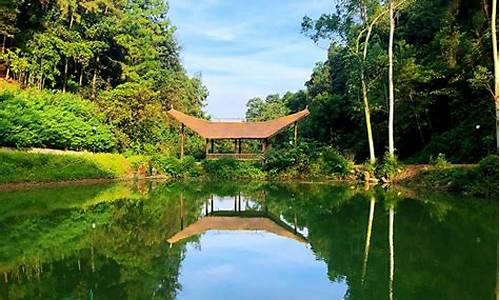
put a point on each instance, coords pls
(245, 240)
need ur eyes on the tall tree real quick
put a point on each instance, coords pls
(391, 82)
(496, 64)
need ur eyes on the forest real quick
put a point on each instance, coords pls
(443, 98)
(96, 75)
(413, 79)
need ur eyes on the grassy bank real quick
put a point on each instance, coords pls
(476, 180)
(18, 166)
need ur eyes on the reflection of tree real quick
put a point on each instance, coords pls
(426, 265)
(127, 246)
(368, 237)
(435, 237)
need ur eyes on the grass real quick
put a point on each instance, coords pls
(480, 180)
(17, 166)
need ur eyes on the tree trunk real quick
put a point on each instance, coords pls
(94, 78)
(7, 74)
(391, 252)
(3, 43)
(81, 74)
(496, 64)
(65, 75)
(365, 95)
(368, 237)
(391, 84)
(368, 120)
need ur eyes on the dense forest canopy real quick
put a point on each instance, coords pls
(443, 80)
(112, 67)
(119, 54)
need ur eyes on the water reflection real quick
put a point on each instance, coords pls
(256, 240)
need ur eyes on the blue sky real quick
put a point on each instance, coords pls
(254, 265)
(245, 49)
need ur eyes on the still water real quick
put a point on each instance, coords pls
(246, 240)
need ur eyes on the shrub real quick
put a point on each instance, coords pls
(229, 168)
(176, 167)
(33, 118)
(388, 167)
(335, 163)
(439, 162)
(139, 160)
(17, 166)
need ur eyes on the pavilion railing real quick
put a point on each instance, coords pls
(240, 156)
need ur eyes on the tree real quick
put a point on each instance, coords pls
(496, 63)
(391, 83)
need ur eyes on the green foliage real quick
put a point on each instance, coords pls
(263, 110)
(18, 166)
(228, 168)
(121, 55)
(32, 118)
(439, 162)
(389, 166)
(175, 167)
(480, 180)
(443, 81)
(136, 161)
(335, 163)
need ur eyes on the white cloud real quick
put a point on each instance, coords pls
(246, 49)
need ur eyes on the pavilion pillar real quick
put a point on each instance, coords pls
(295, 133)
(235, 145)
(182, 141)
(239, 146)
(206, 147)
(212, 145)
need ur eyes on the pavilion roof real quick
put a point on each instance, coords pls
(235, 130)
(226, 221)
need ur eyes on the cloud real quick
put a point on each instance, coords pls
(245, 49)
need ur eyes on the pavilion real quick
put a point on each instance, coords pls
(237, 131)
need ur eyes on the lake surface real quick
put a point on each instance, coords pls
(248, 240)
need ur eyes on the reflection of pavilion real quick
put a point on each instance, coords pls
(238, 220)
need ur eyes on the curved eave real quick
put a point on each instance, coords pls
(237, 130)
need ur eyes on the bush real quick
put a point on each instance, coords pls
(388, 167)
(439, 162)
(33, 118)
(481, 180)
(136, 161)
(16, 166)
(229, 168)
(176, 167)
(335, 163)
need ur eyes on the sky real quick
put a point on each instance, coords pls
(246, 49)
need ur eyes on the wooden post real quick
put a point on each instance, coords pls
(239, 146)
(239, 201)
(182, 211)
(206, 148)
(182, 141)
(212, 145)
(295, 133)
(235, 145)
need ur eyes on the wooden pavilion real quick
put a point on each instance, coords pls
(237, 131)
